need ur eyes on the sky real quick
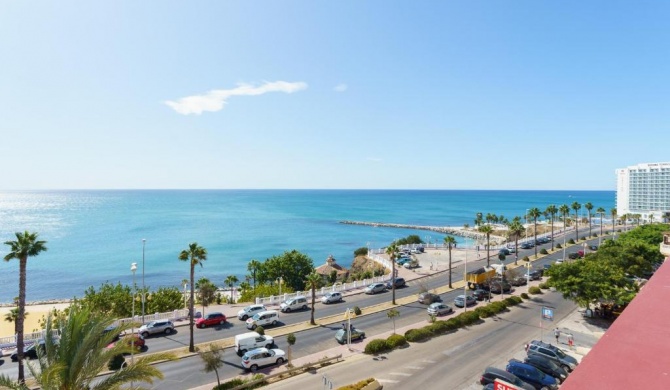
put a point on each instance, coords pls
(343, 94)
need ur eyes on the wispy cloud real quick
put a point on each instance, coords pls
(374, 159)
(216, 99)
(341, 87)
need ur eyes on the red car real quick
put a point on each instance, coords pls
(128, 339)
(211, 319)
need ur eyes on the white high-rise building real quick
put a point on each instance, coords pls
(644, 189)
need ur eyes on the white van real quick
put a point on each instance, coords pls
(297, 303)
(263, 318)
(247, 341)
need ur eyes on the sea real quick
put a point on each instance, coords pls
(93, 236)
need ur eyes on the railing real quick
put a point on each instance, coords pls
(665, 249)
(9, 342)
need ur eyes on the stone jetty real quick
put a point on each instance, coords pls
(439, 229)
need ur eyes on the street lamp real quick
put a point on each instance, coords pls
(279, 280)
(185, 284)
(143, 290)
(133, 268)
(465, 276)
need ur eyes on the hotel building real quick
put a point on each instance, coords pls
(644, 189)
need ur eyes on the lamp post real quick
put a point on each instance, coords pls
(465, 276)
(279, 280)
(133, 268)
(185, 284)
(143, 289)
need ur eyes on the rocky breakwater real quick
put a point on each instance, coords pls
(456, 231)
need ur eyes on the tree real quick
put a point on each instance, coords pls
(313, 280)
(449, 241)
(195, 255)
(293, 267)
(479, 219)
(165, 299)
(111, 299)
(514, 229)
(253, 267)
(613, 213)
(290, 339)
(601, 212)
(551, 211)
(26, 245)
(576, 206)
(12, 317)
(230, 282)
(487, 229)
(588, 206)
(392, 314)
(535, 214)
(392, 252)
(213, 360)
(80, 355)
(206, 292)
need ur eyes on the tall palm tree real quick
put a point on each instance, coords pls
(613, 213)
(195, 255)
(589, 206)
(515, 228)
(392, 252)
(651, 218)
(479, 219)
(253, 267)
(230, 282)
(312, 282)
(576, 206)
(601, 212)
(551, 211)
(449, 241)
(624, 218)
(534, 213)
(81, 355)
(13, 315)
(487, 229)
(26, 245)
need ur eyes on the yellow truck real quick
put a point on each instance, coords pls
(479, 276)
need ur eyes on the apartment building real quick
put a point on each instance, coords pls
(644, 189)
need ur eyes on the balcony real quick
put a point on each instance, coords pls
(665, 245)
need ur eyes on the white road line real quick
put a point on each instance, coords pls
(386, 381)
(413, 367)
(399, 373)
(428, 361)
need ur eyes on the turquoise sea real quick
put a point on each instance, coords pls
(94, 236)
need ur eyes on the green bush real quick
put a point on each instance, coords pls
(357, 386)
(498, 307)
(559, 246)
(484, 311)
(453, 323)
(534, 290)
(440, 327)
(468, 318)
(418, 335)
(116, 362)
(231, 384)
(363, 251)
(378, 346)
(543, 286)
(543, 251)
(396, 341)
(260, 330)
(571, 241)
(525, 296)
(357, 310)
(525, 258)
(583, 238)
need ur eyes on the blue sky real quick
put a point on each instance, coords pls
(339, 94)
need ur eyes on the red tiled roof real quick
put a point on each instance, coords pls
(634, 353)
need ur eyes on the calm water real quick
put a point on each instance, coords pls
(94, 236)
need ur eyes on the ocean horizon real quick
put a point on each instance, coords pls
(93, 236)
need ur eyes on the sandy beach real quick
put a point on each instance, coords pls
(35, 313)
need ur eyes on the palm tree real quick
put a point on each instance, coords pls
(534, 213)
(312, 282)
(392, 252)
(623, 219)
(487, 229)
(588, 206)
(576, 206)
(213, 360)
(230, 282)
(613, 213)
(12, 316)
(253, 267)
(551, 211)
(515, 228)
(26, 245)
(81, 355)
(449, 241)
(601, 211)
(479, 219)
(196, 255)
(651, 218)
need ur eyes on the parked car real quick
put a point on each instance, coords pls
(464, 300)
(375, 288)
(496, 287)
(504, 251)
(411, 264)
(439, 309)
(547, 366)
(156, 327)
(543, 240)
(552, 352)
(593, 247)
(428, 298)
(480, 294)
(210, 319)
(518, 281)
(536, 274)
(356, 334)
(131, 340)
(532, 375)
(399, 282)
(573, 255)
(491, 374)
(511, 249)
(256, 358)
(331, 297)
(297, 303)
(526, 245)
(403, 260)
(249, 311)
(30, 351)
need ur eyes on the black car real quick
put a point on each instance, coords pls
(30, 351)
(399, 282)
(526, 245)
(495, 287)
(593, 247)
(518, 281)
(491, 374)
(480, 294)
(536, 274)
(547, 366)
(573, 255)
(504, 251)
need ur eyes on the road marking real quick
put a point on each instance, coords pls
(414, 367)
(428, 361)
(386, 381)
(399, 373)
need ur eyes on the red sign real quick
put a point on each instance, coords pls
(502, 385)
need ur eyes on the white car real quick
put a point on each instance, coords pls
(260, 357)
(375, 288)
(439, 308)
(249, 311)
(331, 297)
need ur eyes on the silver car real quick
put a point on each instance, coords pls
(375, 288)
(439, 308)
(249, 311)
(156, 327)
(331, 297)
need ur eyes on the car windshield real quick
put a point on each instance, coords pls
(560, 353)
(256, 317)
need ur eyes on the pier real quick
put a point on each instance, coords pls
(439, 229)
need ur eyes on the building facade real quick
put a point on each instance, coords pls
(644, 189)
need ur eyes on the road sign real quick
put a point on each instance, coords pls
(499, 384)
(547, 313)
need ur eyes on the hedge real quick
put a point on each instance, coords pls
(512, 301)
(417, 335)
(357, 310)
(559, 246)
(543, 286)
(357, 386)
(484, 312)
(396, 341)
(571, 241)
(525, 296)
(378, 346)
(543, 251)
(534, 290)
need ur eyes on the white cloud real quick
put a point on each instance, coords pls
(215, 99)
(341, 87)
(374, 159)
